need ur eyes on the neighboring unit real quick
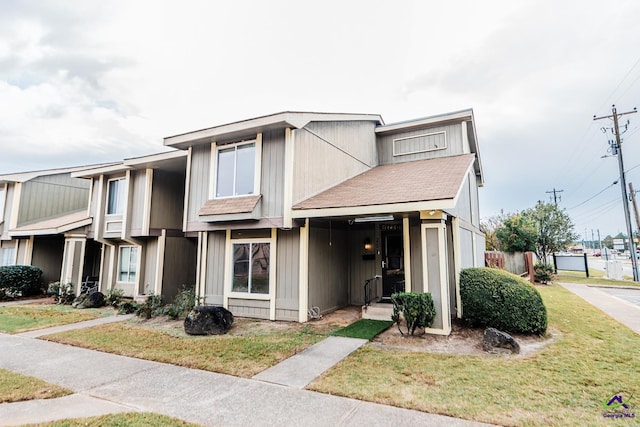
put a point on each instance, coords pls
(39, 213)
(294, 212)
(135, 241)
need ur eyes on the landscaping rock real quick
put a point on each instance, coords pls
(92, 300)
(495, 341)
(208, 320)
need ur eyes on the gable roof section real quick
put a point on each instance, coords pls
(52, 226)
(28, 176)
(240, 129)
(417, 185)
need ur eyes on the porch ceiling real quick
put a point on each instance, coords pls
(403, 184)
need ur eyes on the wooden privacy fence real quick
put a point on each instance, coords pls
(520, 263)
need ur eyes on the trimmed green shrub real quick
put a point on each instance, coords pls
(151, 307)
(21, 280)
(496, 298)
(62, 292)
(113, 297)
(183, 303)
(416, 308)
(127, 307)
(543, 273)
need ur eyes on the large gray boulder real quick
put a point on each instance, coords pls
(92, 300)
(208, 320)
(495, 341)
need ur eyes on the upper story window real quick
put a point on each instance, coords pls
(115, 196)
(236, 170)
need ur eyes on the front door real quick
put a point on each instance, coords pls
(392, 262)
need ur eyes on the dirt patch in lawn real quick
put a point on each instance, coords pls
(463, 340)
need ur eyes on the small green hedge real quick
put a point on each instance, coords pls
(21, 280)
(416, 308)
(496, 298)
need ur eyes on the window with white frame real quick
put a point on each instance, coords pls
(7, 256)
(251, 265)
(115, 196)
(127, 264)
(236, 169)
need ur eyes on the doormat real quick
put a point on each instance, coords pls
(364, 328)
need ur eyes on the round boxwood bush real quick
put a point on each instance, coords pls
(21, 280)
(496, 298)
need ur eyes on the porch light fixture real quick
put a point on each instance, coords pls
(367, 244)
(374, 218)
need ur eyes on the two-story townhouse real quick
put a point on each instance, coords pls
(136, 208)
(296, 211)
(38, 210)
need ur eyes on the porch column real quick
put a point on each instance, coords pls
(407, 253)
(435, 274)
(303, 280)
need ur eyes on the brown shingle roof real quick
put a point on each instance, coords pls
(54, 225)
(415, 181)
(231, 205)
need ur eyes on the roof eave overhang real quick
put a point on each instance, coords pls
(375, 209)
(294, 120)
(441, 118)
(120, 167)
(51, 230)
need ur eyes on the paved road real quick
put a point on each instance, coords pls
(629, 295)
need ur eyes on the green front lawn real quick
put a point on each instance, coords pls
(596, 277)
(592, 358)
(244, 355)
(15, 319)
(15, 388)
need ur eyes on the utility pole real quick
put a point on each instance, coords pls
(623, 183)
(555, 195)
(635, 205)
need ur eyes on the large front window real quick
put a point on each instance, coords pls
(128, 264)
(236, 170)
(251, 267)
(115, 196)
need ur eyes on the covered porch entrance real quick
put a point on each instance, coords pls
(363, 261)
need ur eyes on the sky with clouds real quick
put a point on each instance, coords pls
(90, 82)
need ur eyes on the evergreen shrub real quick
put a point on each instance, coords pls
(498, 299)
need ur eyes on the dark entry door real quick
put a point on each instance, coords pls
(392, 263)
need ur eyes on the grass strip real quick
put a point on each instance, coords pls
(242, 355)
(15, 319)
(364, 328)
(16, 388)
(599, 279)
(129, 419)
(592, 358)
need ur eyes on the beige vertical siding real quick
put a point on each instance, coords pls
(249, 308)
(137, 188)
(199, 182)
(167, 200)
(287, 275)
(48, 196)
(433, 274)
(328, 268)
(319, 165)
(417, 281)
(454, 144)
(150, 262)
(179, 266)
(466, 248)
(272, 178)
(359, 269)
(214, 284)
(47, 256)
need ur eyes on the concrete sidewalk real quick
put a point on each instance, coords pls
(104, 383)
(107, 383)
(623, 311)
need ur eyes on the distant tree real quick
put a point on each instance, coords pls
(489, 226)
(554, 229)
(608, 242)
(517, 234)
